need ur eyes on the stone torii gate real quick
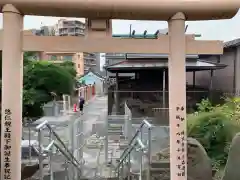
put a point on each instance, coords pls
(99, 39)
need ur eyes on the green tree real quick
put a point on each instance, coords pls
(41, 78)
(70, 67)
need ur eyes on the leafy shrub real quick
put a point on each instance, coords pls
(231, 109)
(204, 106)
(214, 130)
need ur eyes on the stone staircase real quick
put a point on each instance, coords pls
(160, 170)
(115, 129)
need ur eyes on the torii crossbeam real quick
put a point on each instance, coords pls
(113, 45)
(98, 39)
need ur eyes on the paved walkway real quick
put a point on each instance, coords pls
(95, 112)
(94, 116)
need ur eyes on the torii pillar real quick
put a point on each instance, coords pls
(12, 76)
(177, 97)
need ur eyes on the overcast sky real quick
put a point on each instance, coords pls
(210, 30)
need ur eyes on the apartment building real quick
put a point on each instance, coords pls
(66, 27)
(83, 61)
(90, 61)
(44, 31)
(72, 27)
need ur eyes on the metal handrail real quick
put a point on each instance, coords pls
(141, 143)
(128, 152)
(144, 122)
(83, 145)
(65, 151)
(53, 143)
(137, 141)
(45, 124)
(68, 158)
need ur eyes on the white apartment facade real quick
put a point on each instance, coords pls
(66, 27)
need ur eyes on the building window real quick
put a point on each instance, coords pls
(79, 66)
(67, 58)
(53, 58)
(71, 30)
(77, 22)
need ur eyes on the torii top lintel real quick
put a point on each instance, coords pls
(128, 9)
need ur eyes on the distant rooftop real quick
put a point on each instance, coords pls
(143, 35)
(137, 36)
(146, 35)
(232, 43)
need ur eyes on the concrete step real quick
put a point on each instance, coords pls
(114, 127)
(115, 130)
(160, 171)
(115, 133)
(160, 164)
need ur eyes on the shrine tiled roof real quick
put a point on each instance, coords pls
(131, 65)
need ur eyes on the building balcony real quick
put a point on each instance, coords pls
(56, 61)
(63, 34)
(89, 58)
(71, 25)
(115, 55)
(86, 69)
(60, 58)
(74, 33)
(90, 64)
